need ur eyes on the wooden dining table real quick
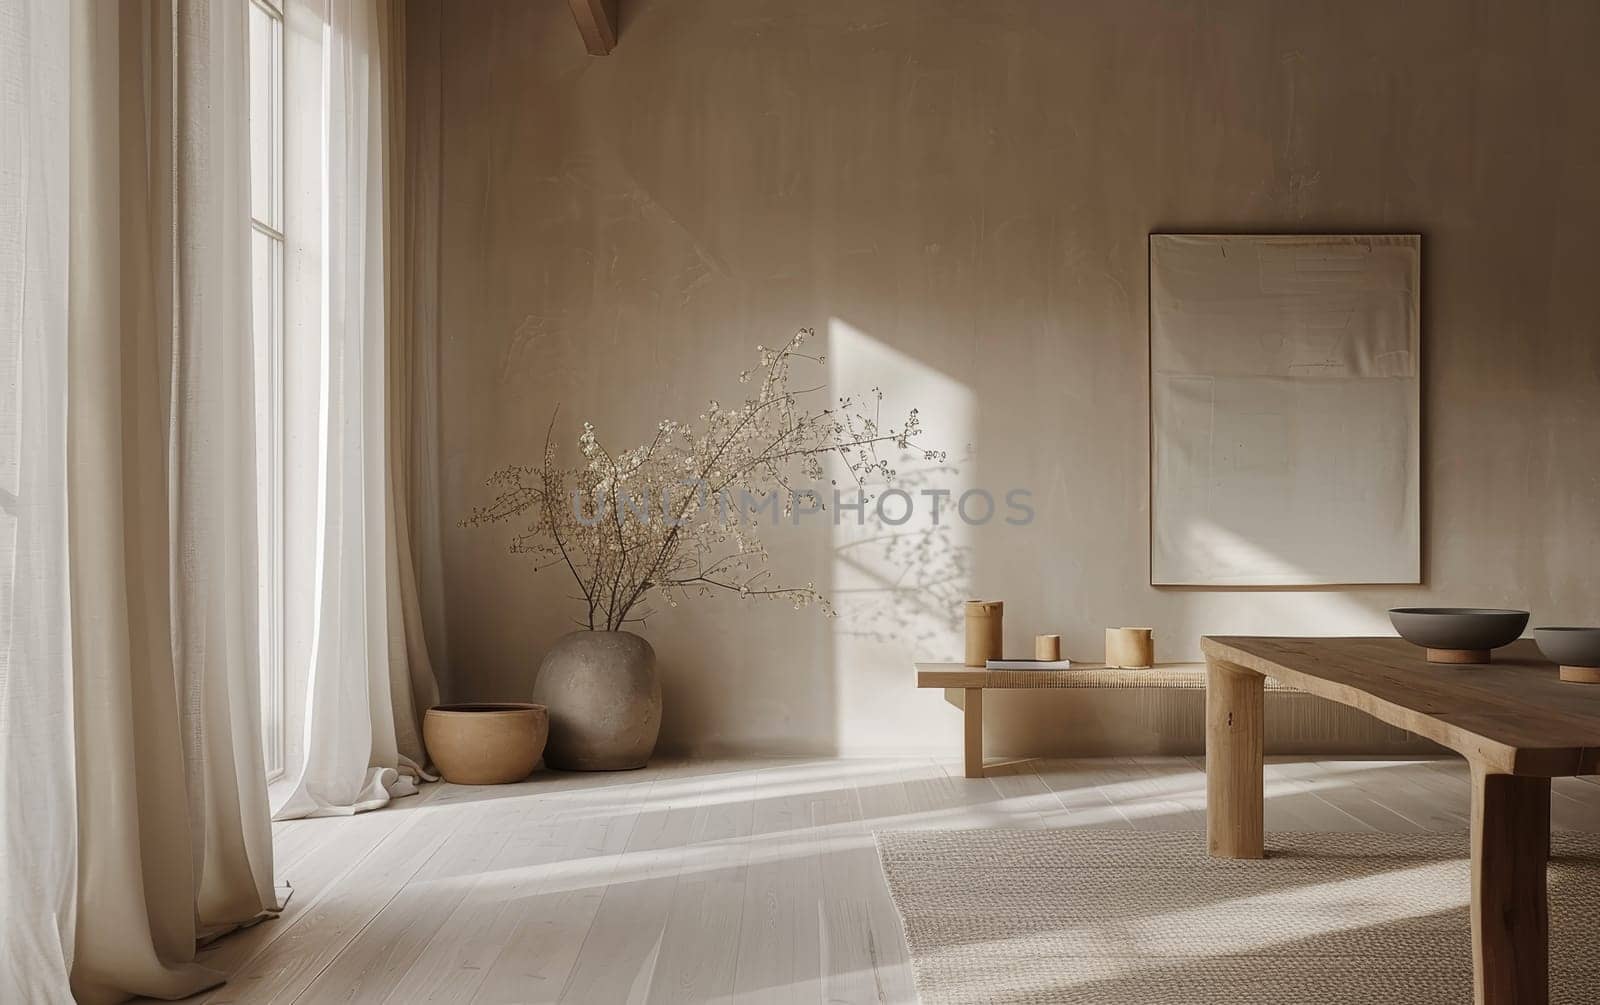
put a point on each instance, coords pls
(1516, 723)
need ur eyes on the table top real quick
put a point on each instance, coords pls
(1511, 716)
(1189, 676)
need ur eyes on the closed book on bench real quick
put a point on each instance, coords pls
(1028, 665)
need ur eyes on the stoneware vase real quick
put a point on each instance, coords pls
(604, 699)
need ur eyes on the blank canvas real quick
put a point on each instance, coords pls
(1285, 403)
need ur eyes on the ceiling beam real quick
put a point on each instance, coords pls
(597, 21)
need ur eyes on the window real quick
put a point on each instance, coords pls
(267, 331)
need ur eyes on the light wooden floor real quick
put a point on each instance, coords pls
(750, 880)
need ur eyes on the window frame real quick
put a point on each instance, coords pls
(270, 542)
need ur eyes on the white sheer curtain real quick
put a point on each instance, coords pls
(369, 676)
(38, 810)
(135, 802)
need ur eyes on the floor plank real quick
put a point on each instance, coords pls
(1022, 793)
(863, 950)
(1410, 789)
(617, 958)
(338, 846)
(1088, 789)
(700, 940)
(778, 957)
(548, 895)
(1297, 799)
(288, 966)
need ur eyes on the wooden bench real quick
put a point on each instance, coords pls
(973, 681)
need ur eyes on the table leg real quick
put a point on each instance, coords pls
(972, 724)
(1234, 769)
(1510, 907)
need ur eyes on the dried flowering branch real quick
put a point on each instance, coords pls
(681, 514)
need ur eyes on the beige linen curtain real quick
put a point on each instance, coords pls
(416, 155)
(153, 783)
(411, 424)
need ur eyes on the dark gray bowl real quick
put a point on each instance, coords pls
(1570, 647)
(1464, 628)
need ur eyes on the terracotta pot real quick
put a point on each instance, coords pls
(604, 699)
(485, 743)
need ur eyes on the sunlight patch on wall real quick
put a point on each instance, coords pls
(899, 575)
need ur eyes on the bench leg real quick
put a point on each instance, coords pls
(1510, 906)
(1234, 768)
(972, 724)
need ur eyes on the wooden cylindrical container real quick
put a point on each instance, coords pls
(1132, 648)
(1047, 647)
(984, 634)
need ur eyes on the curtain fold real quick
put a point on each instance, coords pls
(420, 682)
(212, 479)
(369, 678)
(417, 46)
(151, 781)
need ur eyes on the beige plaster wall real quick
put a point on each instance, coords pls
(957, 195)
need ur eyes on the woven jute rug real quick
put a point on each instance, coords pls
(1111, 917)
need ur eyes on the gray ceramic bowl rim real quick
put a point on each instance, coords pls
(1453, 610)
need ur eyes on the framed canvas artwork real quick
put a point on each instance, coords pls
(1285, 409)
